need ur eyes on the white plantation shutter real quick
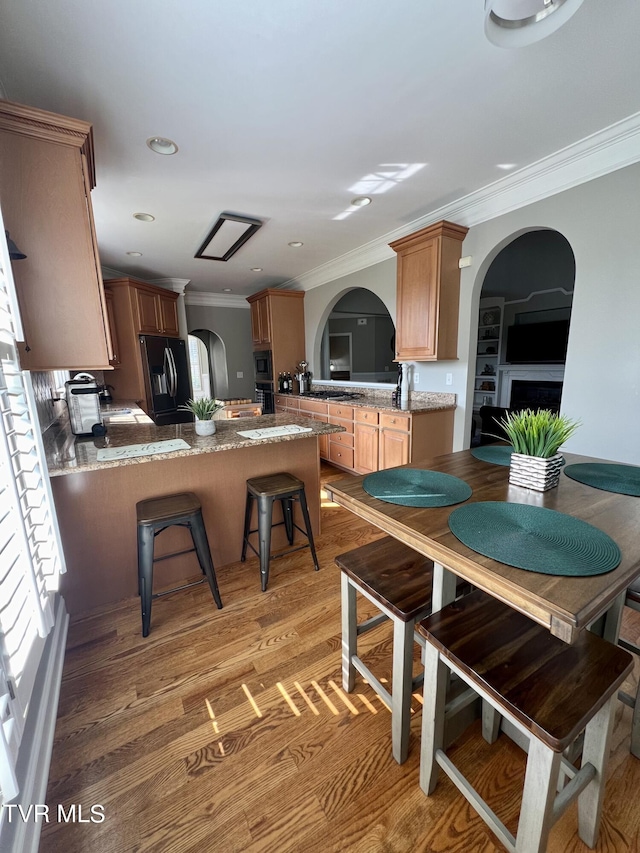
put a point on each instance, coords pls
(30, 553)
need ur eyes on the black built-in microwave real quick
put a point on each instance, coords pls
(263, 366)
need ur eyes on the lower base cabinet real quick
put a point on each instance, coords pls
(375, 439)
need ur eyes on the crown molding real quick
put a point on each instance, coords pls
(178, 285)
(605, 151)
(215, 300)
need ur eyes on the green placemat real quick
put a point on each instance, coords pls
(497, 454)
(416, 487)
(624, 479)
(534, 538)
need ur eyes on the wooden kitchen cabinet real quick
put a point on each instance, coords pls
(395, 440)
(260, 322)
(137, 308)
(46, 176)
(113, 334)
(365, 460)
(428, 293)
(277, 323)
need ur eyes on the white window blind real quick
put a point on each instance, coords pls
(30, 554)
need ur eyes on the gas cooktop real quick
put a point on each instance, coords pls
(332, 395)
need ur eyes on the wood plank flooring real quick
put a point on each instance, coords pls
(228, 730)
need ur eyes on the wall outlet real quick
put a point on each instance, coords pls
(362, 321)
(240, 374)
(449, 379)
(416, 379)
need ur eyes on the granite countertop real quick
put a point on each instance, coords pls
(127, 424)
(419, 401)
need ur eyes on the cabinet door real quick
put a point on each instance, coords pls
(168, 306)
(46, 209)
(394, 448)
(264, 320)
(417, 302)
(113, 332)
(323, 446)
(148, 310)
(365, 439)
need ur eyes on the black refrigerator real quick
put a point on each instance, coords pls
(166, 378)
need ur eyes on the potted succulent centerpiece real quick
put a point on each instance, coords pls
(204, 409)
(536, 438)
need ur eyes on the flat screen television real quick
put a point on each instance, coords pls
(538, 343)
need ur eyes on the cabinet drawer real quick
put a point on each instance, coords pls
(341, 455)
(393, 421)
(343, 438)
(345, 412)
(348, 425)
(313, 406)
(286, 401)
(366, 416)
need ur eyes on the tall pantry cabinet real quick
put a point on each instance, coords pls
(46, 176)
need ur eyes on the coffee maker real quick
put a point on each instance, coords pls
(83, 403)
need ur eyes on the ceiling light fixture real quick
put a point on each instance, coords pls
(517, 23)
(226, 290)
(228, 234)
(256, 269)
(161, 145)
(295, 244)
(361, 201)
(144, 217)
(134, 254)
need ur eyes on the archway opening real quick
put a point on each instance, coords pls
(358, 341)
(208, 363)
(523, 330)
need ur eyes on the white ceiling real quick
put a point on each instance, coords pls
(280, 108)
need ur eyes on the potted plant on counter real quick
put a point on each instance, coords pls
(536, 438)
(204, 409)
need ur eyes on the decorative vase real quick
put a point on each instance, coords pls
(205, 427)
(533, 472)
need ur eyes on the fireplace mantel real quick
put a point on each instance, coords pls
(527, 373)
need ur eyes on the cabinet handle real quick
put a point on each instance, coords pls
(393, 420)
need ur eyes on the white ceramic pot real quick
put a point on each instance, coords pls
(534, 472)
(205, 427)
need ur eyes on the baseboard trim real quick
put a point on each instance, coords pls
(34, 757)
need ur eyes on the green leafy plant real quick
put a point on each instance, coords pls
(538, 433)
(204, 408)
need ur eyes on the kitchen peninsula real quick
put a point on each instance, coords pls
(95, 500)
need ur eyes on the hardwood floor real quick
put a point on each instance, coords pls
(228, 730)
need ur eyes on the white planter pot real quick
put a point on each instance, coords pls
(205, 427)
(534, 472)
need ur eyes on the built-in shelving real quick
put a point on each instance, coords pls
(486, 382)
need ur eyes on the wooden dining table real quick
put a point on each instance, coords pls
(564, 605)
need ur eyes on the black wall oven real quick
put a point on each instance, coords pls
(263, 365)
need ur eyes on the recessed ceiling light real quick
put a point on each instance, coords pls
(134, 254)
(295, 244)
(226, 290)
(361, 201)
(506, 167)
(256, 269)
(161, 145)
(144, 217)
(517, 23)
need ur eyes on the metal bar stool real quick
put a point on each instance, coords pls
(154, 516)
(286, 488)
(398, 581)
(548, 690)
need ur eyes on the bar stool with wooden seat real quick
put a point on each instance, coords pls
(548, 690)
(285, 488)
(398, 581)
(632, 600)
(154, 516)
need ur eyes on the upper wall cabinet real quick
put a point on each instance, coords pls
(46, 174)
(428, 293)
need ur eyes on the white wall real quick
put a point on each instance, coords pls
(602, 376)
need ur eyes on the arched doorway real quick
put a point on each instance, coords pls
(208, 363)
(523, 329)
(358, 341)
